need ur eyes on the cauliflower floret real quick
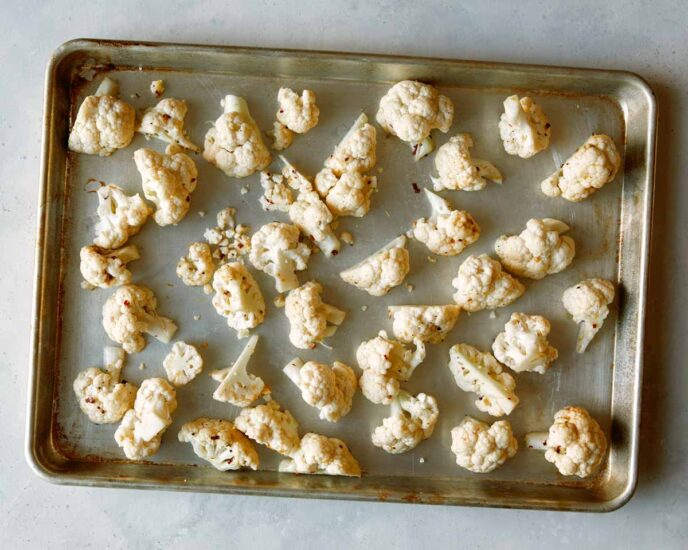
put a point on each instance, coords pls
(103, 123)
(480, 373)
(182, 364)
(448, 231)
(348, 194)
(310, 320)
(385, 364)
(538, 251)
(165, 122)
(322, 455)
(237, 386)
(482, 284)
(157, 87)
(129, 313)
(594, 164)
(523, 345)
(382, 270)
(523, 127)
(482, 448)
(238, 298)
(311, 215)
(197, 267)
(356, 150)
(220, 443)
(330, 390)
(119, 216)
(429, 324)
(298, 113)
(281, 136)
(106, 268)
(588, 303)
(268, 425)
(142, 427)
(276, 193)
(101, 395)
(234, 143)
(411, 420)
(575, 443)
(276, 249)
(456, 168)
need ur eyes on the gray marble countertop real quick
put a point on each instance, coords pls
(646, 37)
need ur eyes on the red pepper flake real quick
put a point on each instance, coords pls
(548, 126)
(416, 189)
(335, 252)
(414, 149)
(90, 400)
(214, 437)
(127, 303)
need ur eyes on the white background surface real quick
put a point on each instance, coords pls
(642, 36)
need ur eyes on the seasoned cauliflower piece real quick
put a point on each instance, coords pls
(355, 152)
(129, 313)
(165, 122)
(538, 251)
(182, 364)
(238, 298)
(310, 320)
(101, 395)
(447, 232)
(411, 420)
(234, 143)
(318, 454)
(382, 270)
(482, 448)
(106, 268)
(276, 193)
(523, 127)
(276, 249)
(298, 113)
(482, 284)
(311, 215)
(270, 426)
(458, 170)
(237, 385)
(479, 372)
(281, 136)
(523, 345)
(119, 216)
(220, 443)
(594, 164)
(157, 87)
(347, 194)
(429, 324)
(197, 267)
(330, 390)
(103, 123)
(588, 302)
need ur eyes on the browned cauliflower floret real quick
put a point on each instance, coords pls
(523, 345)
(382, 270)
(429, 324)
(318, 454)
(270, 426)
(106, 268)
(165, 122)
(482, 284)
(347, 194)
(523, 127)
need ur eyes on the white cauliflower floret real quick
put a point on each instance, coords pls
(318, 454)
(411, 420)
(355, 152)
(310, 319)
(382, 270)
(165, 122)
(129, 313)
(276, 249)
(234, 143)
(106, 268)
(220, 443)
(588, 303)
(119, 216)
(575, 443)
(101, 395)
(103, 123)
(281, 136)
(330, 390)
(482, 448)
(237, 385)
(447, 232)
(594, 164)
(310, 214)
(482, 284)
(347, 194)
(479, 372)
(523, 127)
(523, 345)
(268, 425)
(539, 250)
(457, 169)
(238, 298)
(276, 193)
(298, 113)
(385, 364)
(182, 364)
(429, 324)
(197, 267)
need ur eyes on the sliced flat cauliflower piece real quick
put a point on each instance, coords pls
(523, 127)
(482, 448)
(588, 302)
(482, 284)
(356, 150)
(106, 268)
(479, 372)
(234, 144)
(347, 194)
(594, 164)
(220, 443)
(270, 426)
(411, 420)
(310, 319)
(237, 385)
(318, 454)
(238, 298)
(282, 136)
(101, 395)
(330, 390)
(119, 216)
(276, 193)
(277, 249)
(429, 324)
(298, 113)
(182, 364)
(129, 313)
(165, 122)
(382, 270)
(457, 169)
(197, 267)
(538, 251)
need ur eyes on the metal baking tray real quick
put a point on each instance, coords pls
(611, 231)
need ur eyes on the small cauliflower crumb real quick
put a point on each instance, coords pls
(347, 238)
(157, 88)
(279, 300)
